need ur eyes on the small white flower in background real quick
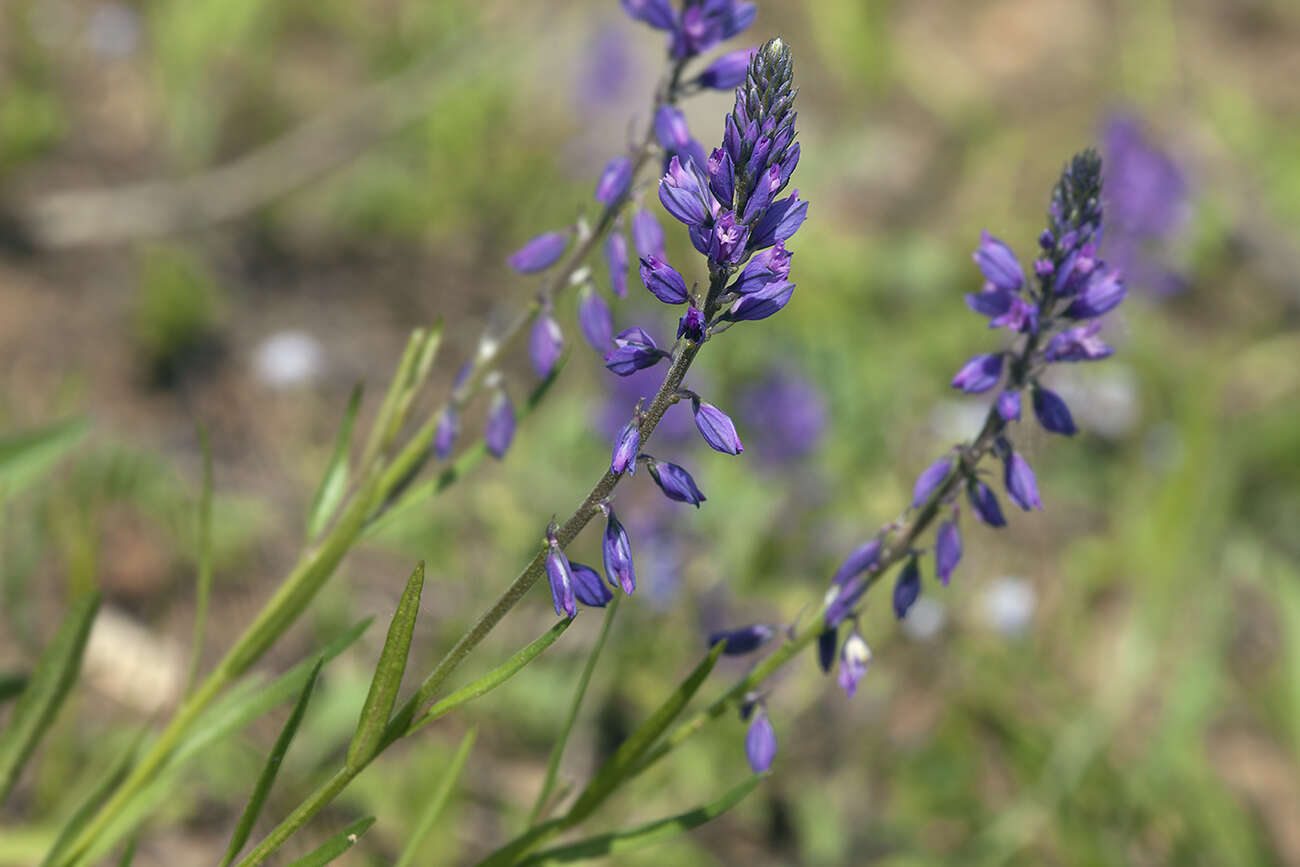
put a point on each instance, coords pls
(925, 619)
(288, 358)
(1105, 401)
(1008, 605)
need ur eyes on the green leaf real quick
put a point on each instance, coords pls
(25, 456)
(12, 684)
(437, 800)
(335, 482)
(97, 796)
(128, 854)
(491, 680)
(55, 673)
(263, 786)
(336, 845)
(618, 842)
(388, 674)
(203, 588)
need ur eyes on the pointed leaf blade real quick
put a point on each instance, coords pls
(335, 482)
(336, 845)
(437, 801)
(24, 456)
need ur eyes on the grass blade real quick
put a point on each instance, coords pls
(128, 854)
(264, 782)
(24, 456)
(557, 752)
(203, 588)
(489, 681)
(618, 842)
(439, 800)
(388, 674)
(55, 673)
(336, 845)
(335, 482)
(97, 796)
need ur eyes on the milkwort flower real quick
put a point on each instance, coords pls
(546, 343)
(540, 253)
(675, 482)
(633, 350)
(559, 573)
(500, 430)
(617, 553)
(743, 641)
(698, 27)
(760, 742)
(855, 659)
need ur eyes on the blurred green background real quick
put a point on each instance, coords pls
(1113, 681)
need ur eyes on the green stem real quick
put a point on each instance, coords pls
(557, 752)
(300, 816)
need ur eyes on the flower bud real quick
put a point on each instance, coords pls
(500, 429)
(616, 260)
(985, 504)
(717, 428)
(617, 552)
(760, 743)
(979, 374)
(907, 588)
(560, 575)
(587, 586)
(676, 483)
(745, 640)
(647, 235)
(1021, 485)
(594, 318)
(663, 281)
(1052, 412)
(999, 264)
(444, 437)
(540, 253)
(947, 550)
(855, 659)
(614, 181)
(930, 480)
(626, 450)
(546, 343)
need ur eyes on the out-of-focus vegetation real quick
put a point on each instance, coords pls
(1113, 681)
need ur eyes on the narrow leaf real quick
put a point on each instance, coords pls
(379, 427)
(55, 673)
(97, 796)
(24, 456)
(419, 374)
(263, 786)
(612, 772)
(437, 801)
(335, 482)
(128, 854)
(336, 845)
(618, 842)
(493, 678)
(203, 588)
(12, 684)
(388, 674)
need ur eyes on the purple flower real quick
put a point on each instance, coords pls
(616, 261)
(444, 437)
(842, 599)
(728, 239)
(1102, 294)
(560, 576)
(626, 450)
(614, 181)
(907, 588)
(760, 198)
(781, 221)
(717, 428)
(663, 281)
(691, 325)
(647, 235)
(727, 71)
(657, 13)
(540, 253)
(1078, 344)
(999, 264)
(979, 374)
(633, 350)
(594, 318)
(862, 558)
(500, 429)
(760, 743)
(1021, 485)
(785, 415)
(1052, 412)
(587, 586)
(762, 304)
(617, 551)
(1009, 405)
(855, 659)
(671, 129)
(992, 303)
(764, 268)
(1146, 192)
(722, 176)
(685, 194)
(744, 640)
(930, 480)
(947, 550)
(985, 504)
(546, 344)
(827, 641)
(675, 482)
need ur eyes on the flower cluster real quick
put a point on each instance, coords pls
(699, 26)
(1056, 317)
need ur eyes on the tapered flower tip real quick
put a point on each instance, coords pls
(617, 553)
(717, 428)
(907, 588)
(540, 253)
(676, 483)
(684, 192)
(855, 659)
(626, 449)
(663, 281)
(1052, 412)
(999, 264)
(633, 350)
(827, 641)
(1020, 482)
(769, 300)
(760, 743)
(444, 437)
(985, 504)
(979, 374)
(614, 180)
(560, 575)
(595, 319)
(616, 260)
(500, 429)
(588, 588)
(930, 480)
(545, 344)
(744, 640)
(780, 222)
(947, 550)
(863, 557)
